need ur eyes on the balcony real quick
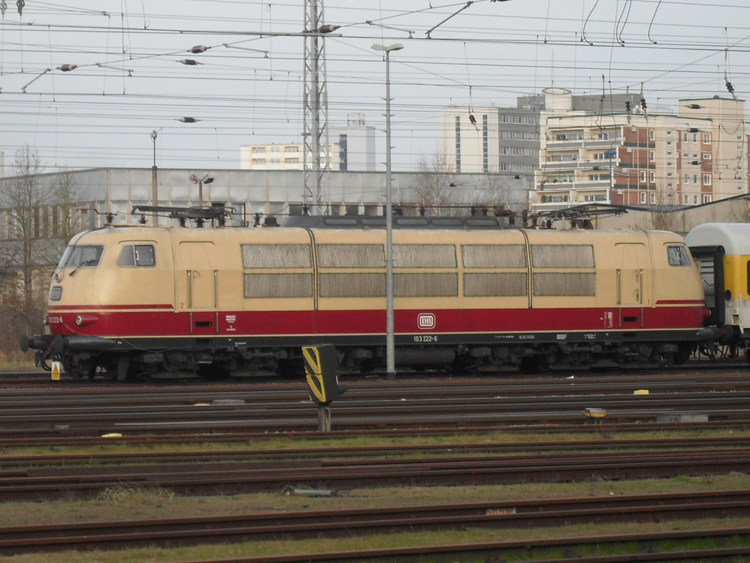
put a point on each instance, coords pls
(557, 165)
(601, 143)
(562, 145)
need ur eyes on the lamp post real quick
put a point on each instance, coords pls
(207, 179)
(154, 192)
(389, 324)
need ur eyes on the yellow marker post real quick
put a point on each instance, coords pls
(320, 371)
(56, 369)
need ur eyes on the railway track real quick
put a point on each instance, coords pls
(368, 452)
(643, 547)
(346, 523)
(367, 406)
(274, 475)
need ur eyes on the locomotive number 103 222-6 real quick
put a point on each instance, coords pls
(425, 338)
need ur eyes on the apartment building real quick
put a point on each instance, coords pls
(283, 157)
(634, 157)
(351, 148)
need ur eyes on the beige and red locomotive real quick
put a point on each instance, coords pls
(468, 295)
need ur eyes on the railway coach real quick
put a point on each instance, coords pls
(469, 295)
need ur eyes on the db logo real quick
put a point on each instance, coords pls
(426, 321)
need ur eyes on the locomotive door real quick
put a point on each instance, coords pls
(198, 285)
(632, 286)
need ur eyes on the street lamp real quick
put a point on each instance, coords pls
(389, 324)
(154, 191)
(207, 179)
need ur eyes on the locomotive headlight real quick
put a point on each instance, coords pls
(79, 320)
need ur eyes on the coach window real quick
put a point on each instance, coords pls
(678, 256)
(136, 256)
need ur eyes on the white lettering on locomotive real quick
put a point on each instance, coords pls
(426, 321)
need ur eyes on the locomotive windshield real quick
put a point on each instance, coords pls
(81, 256)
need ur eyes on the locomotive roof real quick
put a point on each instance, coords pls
(734, 237)
(399, 222)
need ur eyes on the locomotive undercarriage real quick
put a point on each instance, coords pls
(219, 362)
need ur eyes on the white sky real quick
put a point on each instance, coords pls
(128, 81)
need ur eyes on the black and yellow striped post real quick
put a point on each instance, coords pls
(320, 371)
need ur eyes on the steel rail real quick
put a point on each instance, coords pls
(346, 523)
(227, 478)
(67, 437)
(369, 452)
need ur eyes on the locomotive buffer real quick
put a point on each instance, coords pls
(322, 382)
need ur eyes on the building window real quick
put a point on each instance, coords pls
(652, 156)
(687, 199)
(653, 199)
(695, 137)
(706, 138)
(643, 197)
(706, 156)
(643, 177)
(685, 137)
(707, 179)
(706, 198)
(652, 135)
(695, 199)
(653, 177)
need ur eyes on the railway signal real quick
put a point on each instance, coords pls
(320, 371)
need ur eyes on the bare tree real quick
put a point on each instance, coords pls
(435, 187)
(24, 255)
(664, 219)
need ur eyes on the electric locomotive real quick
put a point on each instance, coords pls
(470, 295)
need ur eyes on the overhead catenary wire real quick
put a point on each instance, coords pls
(493, 79)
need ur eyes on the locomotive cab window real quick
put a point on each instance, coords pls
(82, 256)
(678, 256)
(136, 256)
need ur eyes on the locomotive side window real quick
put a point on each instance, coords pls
(500, 284)
(82, 256)
(678, 256)
(352, 285)
(278, 285)
(269, 285)
(351, 256)
(424, 256)
(565, 283)
(494, 256)
(276, 256)
(425, 285)
(562, 256)
(137, 255)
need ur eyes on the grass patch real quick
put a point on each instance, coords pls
(285, 443)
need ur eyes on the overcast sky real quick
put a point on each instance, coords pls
(129, 81)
